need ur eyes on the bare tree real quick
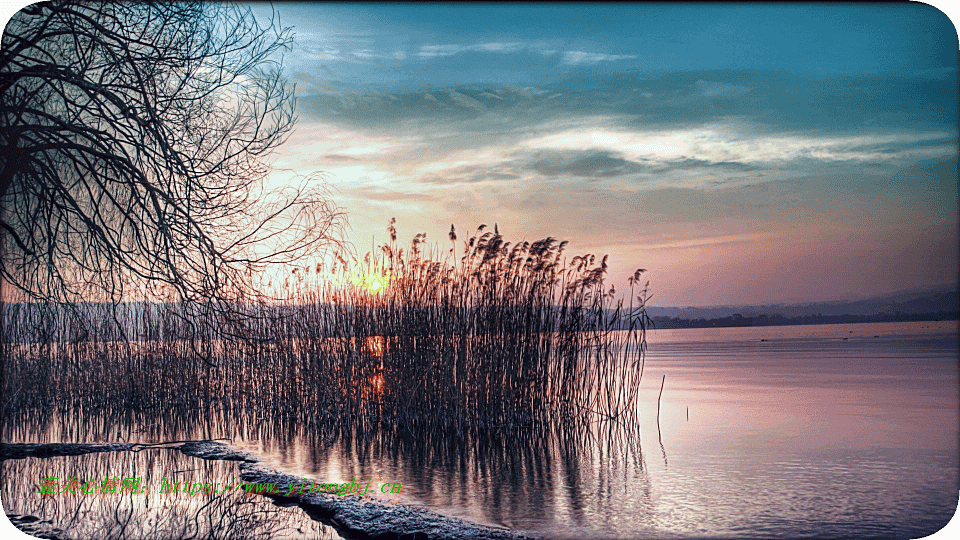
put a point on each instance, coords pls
(134, 147)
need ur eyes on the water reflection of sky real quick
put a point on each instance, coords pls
(835, 430)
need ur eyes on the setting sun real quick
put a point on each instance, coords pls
(374, 283)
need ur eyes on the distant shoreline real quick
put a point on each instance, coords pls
(662, 322)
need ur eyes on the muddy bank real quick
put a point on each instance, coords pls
(25, 450)
(215, 450)
(355, 517)
(352, 516)
(34, 526)
(190, 448)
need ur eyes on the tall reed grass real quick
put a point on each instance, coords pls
(501, 335)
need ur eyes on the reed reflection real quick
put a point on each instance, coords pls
(148, 513)
(485, 474)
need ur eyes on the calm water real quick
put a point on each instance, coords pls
(147, 513)
(818, 431)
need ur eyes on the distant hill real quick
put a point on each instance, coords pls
(907, 305)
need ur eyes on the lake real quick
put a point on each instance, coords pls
(797, 431)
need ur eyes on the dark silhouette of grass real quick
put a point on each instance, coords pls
(506, 335)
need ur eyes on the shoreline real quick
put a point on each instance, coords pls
(350, 515)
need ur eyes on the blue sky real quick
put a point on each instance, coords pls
(525, 44)
(742, 153)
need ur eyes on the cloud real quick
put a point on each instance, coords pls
(466, 101)
(472, 174)
(345, 152)
(435, 51)
(766, 103)
(711, 241)
(319, 53)
(587, 164)
(568, 57)
(581, 57)
(691, 164)
(738, 145)
(334, 157)
(379, 193)
(593, 143)
(370, 54)
(505, 167)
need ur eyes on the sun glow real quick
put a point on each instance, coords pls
(374, 282)
(378, 383)
(374, 346)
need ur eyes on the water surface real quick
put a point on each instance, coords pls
(800, 431)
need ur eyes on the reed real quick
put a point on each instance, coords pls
(505, 335)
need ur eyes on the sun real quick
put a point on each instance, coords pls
(374, 283)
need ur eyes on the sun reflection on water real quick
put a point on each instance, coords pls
(374, 346)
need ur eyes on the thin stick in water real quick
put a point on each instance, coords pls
(658, 398)
(659, 438)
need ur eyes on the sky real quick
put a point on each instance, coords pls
(742, 154)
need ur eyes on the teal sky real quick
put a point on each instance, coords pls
(742, 153)
(441, 45)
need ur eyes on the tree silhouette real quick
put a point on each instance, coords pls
(134, 147)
